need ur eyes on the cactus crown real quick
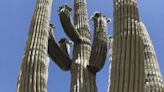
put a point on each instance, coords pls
(65, 7)
(98, 15)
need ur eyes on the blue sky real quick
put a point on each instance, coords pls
(15, 17)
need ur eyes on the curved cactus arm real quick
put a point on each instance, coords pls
(56, 53)
(66, 21)
(100, 43)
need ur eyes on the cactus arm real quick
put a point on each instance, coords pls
(68, 26)
(100, 43)
(56, 53)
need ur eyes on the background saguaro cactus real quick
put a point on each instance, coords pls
(127, 69)
(87, 60)
(153, 78)
(34, 70)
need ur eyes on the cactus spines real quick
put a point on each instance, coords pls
(34, 70)
(153, 78)
(127, 69)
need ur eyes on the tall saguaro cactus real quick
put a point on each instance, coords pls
(127, 69)
(34, 70)
(153, 78)
(87, 60)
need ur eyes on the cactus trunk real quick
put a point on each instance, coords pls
(82, 80)
(153, 78)
(34, 70)
(127, 69)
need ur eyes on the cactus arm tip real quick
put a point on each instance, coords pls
(67, 24)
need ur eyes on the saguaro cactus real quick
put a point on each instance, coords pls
(86, 61)
(153, 78)
(127, 69)
(34, 70)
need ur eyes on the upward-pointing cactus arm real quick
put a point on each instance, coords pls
(56, 53)
(99, 47)
(68, 26)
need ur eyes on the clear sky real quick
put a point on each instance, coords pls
(15, 17)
